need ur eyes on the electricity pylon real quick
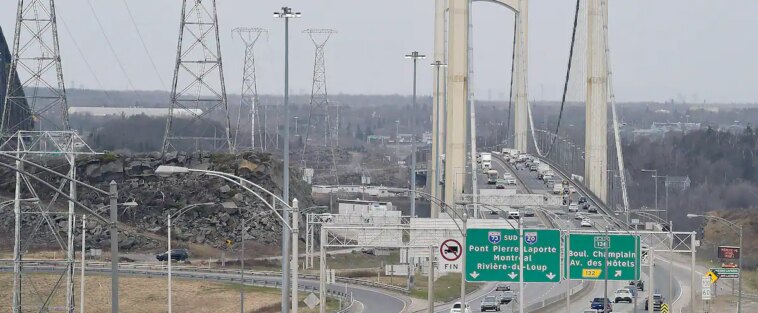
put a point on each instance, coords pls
(249, 92)
(198, 89)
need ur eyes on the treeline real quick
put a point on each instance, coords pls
(720, 165)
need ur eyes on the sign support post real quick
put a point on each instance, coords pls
(520, 265)
(567, 260)
(430, 284)
(464, 244)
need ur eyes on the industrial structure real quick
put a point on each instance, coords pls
(198, 83)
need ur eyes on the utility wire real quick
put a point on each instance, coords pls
(113, 51)
(144, 46)
(86, 62)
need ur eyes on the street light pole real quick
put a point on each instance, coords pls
(655, 180)
(168, 253)
(114, 246)
(286, 13)
(415, 56)
(81, 282)
(464, 220)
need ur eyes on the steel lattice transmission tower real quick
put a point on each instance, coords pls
(198, 89)
(319, 106)
(34, 125)
(249, 92)
(36, 55)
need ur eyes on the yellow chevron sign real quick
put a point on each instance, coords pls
(664, 308)
(712, 276)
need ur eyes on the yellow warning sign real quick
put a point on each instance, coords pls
(712, 276)
(664, 308)
(591, 273)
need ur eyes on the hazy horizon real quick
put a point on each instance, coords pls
(681, 50)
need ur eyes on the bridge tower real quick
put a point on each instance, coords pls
(454, 122)
(596, 116)
(520, 71)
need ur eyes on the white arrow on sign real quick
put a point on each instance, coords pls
(512, 275)
(550, 276)
(617, 274)
(474, 274)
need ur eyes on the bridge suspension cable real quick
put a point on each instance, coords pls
(554, 135)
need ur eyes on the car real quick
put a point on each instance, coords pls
(585, 206)
(493, 212)
(579, 216)
(502, 287)
(633, 290)
(176, 255)
(573, 207)
(572, 189)
(582, 200)
(500, 183)
(622, 294)
(514, 215)
(657, 302)
(528, 213)
(506, 297)
(592, 209)
(490, 303)
(457, 308)
(600, 303)
(639, 284)
(585, 223)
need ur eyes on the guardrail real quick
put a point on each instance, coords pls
(157, 268)
(557, 298)
(346, 299)
(590, 195)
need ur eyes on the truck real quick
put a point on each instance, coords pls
(543, 168)
(557, 189)
(486, 160)
(492, 177)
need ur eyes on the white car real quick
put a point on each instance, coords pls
(622, 295)
(586, 223)
(579, 216)
(457, 308)
(573, 207)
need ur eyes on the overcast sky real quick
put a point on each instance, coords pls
(693, 50)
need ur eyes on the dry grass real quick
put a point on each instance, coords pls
(148, 295)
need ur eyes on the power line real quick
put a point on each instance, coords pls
(144, 46)
(113, 51)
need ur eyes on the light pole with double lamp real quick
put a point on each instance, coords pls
(737, 228)
(286, 14)
(169, 253)
(290, 227)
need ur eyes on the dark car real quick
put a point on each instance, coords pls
(585, 206)
(639, 284)
(597, 304)
(582, 200)
(657, 302)
(490, 303)
(176, 255)
(503, 287)
(507, 296)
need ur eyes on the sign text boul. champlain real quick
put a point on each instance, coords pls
(587, 254)
(493, 255)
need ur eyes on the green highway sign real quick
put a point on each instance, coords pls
(586, 256)
(493, 255)
(726, 273)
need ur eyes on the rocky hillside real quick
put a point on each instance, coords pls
(157, 197)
